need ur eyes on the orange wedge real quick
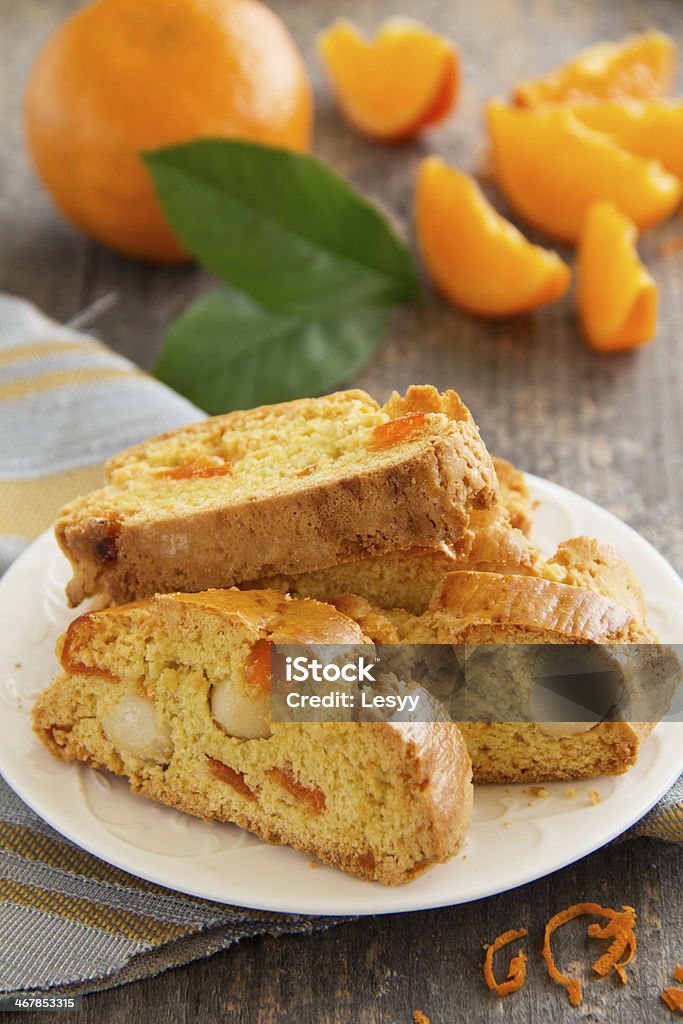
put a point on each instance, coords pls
(640, 66)
(552, 167)
(616, 295)
(650, 128)
(395, 85)
(479, 260)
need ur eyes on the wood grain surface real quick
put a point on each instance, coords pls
(610, 428)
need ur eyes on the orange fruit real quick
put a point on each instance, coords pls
(616, 295)
(395, 85)
(123, 76)
(551, 167)
(650, 128)
(479, 260)
(640, 66)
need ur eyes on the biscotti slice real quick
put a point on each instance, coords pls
(595, 565)
(515, 495)
(489, 608)
(173, 693)
(495, 541)
(280, 489)
(407, 579)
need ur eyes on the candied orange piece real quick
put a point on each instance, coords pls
(479, 260)
(393, 86)
(393, 432)
(551, 167)
(616, 295)
(257, 668)
(642, 66)
(201, 468)
(650, 128)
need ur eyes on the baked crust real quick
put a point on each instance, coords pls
(383, 801)
(418, 493)
(515, 495)
(557, 611)
(595, 565)
(521, 752)
(493, 542)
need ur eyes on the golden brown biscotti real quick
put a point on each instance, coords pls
(595, 565)
(489, 608)
(515, 495)
(495, 541)
(173, 693)
(476, 604)
(280, 489)
(407, 579)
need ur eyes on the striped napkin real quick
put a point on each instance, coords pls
(68, 920)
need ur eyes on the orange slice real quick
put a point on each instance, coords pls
(479, 260)
(641, 66)
(552, 167)
(650, 128)
(616, 295)
(393, 86)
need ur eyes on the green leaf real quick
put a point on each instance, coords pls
(281, 227)
(228, 352)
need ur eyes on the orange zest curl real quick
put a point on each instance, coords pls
(620, 928)
(517, 970)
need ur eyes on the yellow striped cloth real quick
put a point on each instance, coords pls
(68, 920)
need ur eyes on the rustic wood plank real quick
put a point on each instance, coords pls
(41, 257)
(609, 428)
(378, 970)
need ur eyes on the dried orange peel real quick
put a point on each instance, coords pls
(616, 296)
(517, 970)
(673, 997)
(620, 929)
(395, 85)
(651, 128)
(551, 167)
(642, 66)
(477, 259)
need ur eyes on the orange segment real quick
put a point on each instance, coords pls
(551, 167)
(616, 295)
(650, 128)
(393, 86)
(479, 260)
(642, 66)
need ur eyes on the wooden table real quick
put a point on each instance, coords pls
(607, 427)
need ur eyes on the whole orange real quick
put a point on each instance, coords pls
(124, 76)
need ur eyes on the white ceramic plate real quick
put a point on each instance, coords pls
(224, 863)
